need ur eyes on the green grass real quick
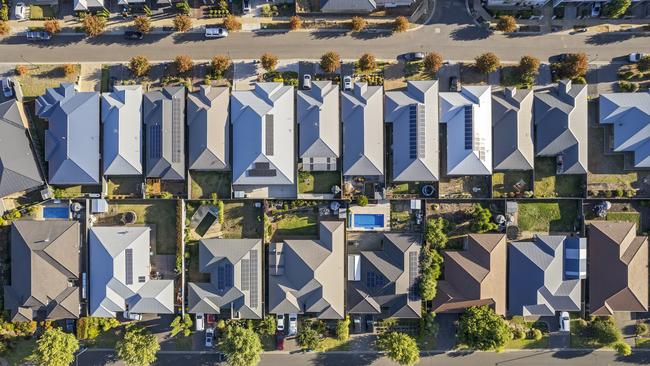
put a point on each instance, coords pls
(332, 344)
(75, 191)
(182, 343)
(40, 12)
(527, 343)
(123, 186)
(193, 274)
(317, 182)
(41, 77)
(161, 213)
(105, 339)
(634, 217)
(105, 78)
(547, 216)
(547, 184)
(294, 225)
(503, 183)
(241, 220)
(642, 342)
(206, 183)
(399, 220)
(19, 354)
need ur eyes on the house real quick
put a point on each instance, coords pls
(44, 270)
(209, 128)
(19, 170)
(121, 118)
(348, 6)
(263, 141)
(413, 114)
(544, 275)
(561, 126)
(120, 273)
(236, 273)
(164, 120)
(468, 115)
(629, 116)
(363, 131)
(618, 268)
(319, 126)
(86, 5)
(72, 137)
(306, 276)
(512, 123)
(383, 282)
(474, 276)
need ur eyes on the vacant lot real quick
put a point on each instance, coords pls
(548, 184)
(547, 217)
(204, 184)
(242, 220)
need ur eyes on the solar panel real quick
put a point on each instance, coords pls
(262, 165)
(177, 130)
(128, 257)
(421, 119)
(245, 275)
(253, 278)
(370, 280)
(262, 173)
(468, 127)
(268, 128)
(228, 269)
(414, 269)
(221, 278)
(155, 136)
(413, 131)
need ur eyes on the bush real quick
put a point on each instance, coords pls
(21, 70)
(69, 69)
(362, 200)
(401, 24)
(367, 62)
(434, 232)
(628, 87)
(267, 326)
(4, 28)
(518, 333)
(507, 23)
(579, 80)
(618, 193)
(269, 61)
(431, 268)
(358, 24)
(183, 325)
(231, 23)
(616, 8)
(622, 349)
(640, 328)
(308, 338)
(481, 220)
(482, 329)
(487, 62)
(93, 25)
(52, 26)
(343, 329)
(139, 66)
(536, 334)
(432, 63)
(529, 66)
(142, 24)
(330, 62)
(182, 23)
(91, 327)
(183, 63)
(644, 64)
(219, 65)
(601, 330)
(295, 23)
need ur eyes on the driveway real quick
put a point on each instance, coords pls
(559, 340)
(446, 339)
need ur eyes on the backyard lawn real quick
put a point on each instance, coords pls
(124, 186)
(242, 220)
(162, 214)
(206, 183)
(634, 217)
(292, 225)
(547, 217)
(548, 184)
(318, 182)
(504, 183)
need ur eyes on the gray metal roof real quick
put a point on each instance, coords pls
(561, 125)
(119, 273)
(307, 276)
(347, 6)
(389, 277)
(629, 115)
(44, 261)
(414, 115)
(236, 274)
(122, 128)
(72, 137)
(209, 128)
(263, 135)
(512, 121)
(18, 168)
(164, 120)
(84, 5)
(363, 130)
(538, 282)
(318, 118)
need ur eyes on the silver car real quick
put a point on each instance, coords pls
(7, 90)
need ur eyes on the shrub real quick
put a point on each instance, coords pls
(434, 233)
(536, 334)
(52, 26)
(618, 193)
(267, 326)
(183, 325)
(529, 65)
(399, 347)
(602, 330)
(231, 23)
(644, 64)
(308, 338)
(627, 86)
(93, 25)
(362, 200)
(487, 62)
(507, 23)
(430, 263)
(622, 349)
(518, 333)
(139, 66)
(21, 70)
(69, 69)
(295, 23)
(4, 28)
(579, 80)
(91, 327)
(481, 328)
(432, 63)
(640, 328)
(269, 61)
(401, 24)
(182, 23)
(330, 62)
(481, 220)
(616, 8)
(367, 62)
(183, 63)
(142, 24)
(219, 65)
(343, 329)
(358, 24)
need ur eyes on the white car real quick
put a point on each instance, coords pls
(306, 81)
(217, 32)
(21, 11)
(595, 10)
(246, 6)
(293, 324)
(635, 57)
(132, 316)
(347, 83)
(280, 321)
(198, 322)
(209, 337)
(565, 322)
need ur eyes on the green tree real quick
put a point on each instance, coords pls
(269, 61)
(330, 61)
(343, 329)
(644, 63)
(434, 232)
(482, 220)
(506, 23)
(399, 347)
(241, 346)
(482, 329)
(183, 325)
(431, 265)
(367, 62)
(602, 330)
(616, 8)
(55, 348)
(138, 347)
(432, 63)
(267, 326)
(308, 338)
(362, 200)
(622, 349)
(487, 62)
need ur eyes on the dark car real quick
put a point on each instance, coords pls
(133, 35)
(454, 84)
(413, 56)
(558, 58)
(279, 341)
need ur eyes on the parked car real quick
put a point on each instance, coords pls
(413, 56)
(20, 12)
(279, 341)
(69, 325)
(306, 81)
(246, 6)
(209, 337)
(216, 32)
(595, 10)
(198, 322)
(133, 35)
(38, 35)
(581, 30)
(454, 84)
(293, 324)
(347, 83)
(558, 58)
(280, 322)
(7, 89)
(132, 316)
(565, 322)
(635, 57)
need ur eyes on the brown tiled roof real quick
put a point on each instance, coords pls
(618, 268)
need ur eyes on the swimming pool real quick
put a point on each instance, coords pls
(56, 213)
(367, 221)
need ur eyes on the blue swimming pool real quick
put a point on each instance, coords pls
(56, 213)
(368, 221)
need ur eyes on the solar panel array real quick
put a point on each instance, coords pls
(414, 269)
(416, 131)
(253, 278)
(155, 143)
(245, 274)
(128, 257)
(468, 127)
(268, 128)
(177, 130)
(221, 278)
(262, 170)
(229, 274)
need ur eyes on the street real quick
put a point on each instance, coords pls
(451, 32)
(523, 358)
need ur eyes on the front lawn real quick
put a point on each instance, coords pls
(105, 339)
(40, 77)
(527, 343)
(545, 217)
(204, 184)
(42, 12)
(548, 184)
(158, 213)
(23, 350)
(318, 182)
(332, 344)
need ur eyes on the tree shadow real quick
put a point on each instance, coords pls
(636, 358)
(568, 355)
(329, 358)
(328, 35)
(266, 33)
(470, 33)
(56, 41)
(608, 38)
(371, 35)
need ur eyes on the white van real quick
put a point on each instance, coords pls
(198, 322)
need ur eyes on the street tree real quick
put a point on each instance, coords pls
(142, 23)
(575, 65)
(432, 63)
(139, 66)
(507, 23)
(482, 329)
(242, 346)
(94, 25)
(399, 347)
(529, 66)
(182, 23)
(330, 62)
(219, 66)
(644, 64)
(616, 8)
(69, 69)
(367, 62)
(231, 23)
(183, 63)
(295, 22)
(487, 62)
(52, 26)
(269, 61)
(55, 348)
(138, 347)
(358, 24)
(4, 28)
(401, 24)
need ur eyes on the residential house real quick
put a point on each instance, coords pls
(360, 6)
(474, 276)
(629, 116)
(209, 128)
(512, 123)
(413, 114)
(618, 268)
(468, 116)
(307, 276)
(236, 273)
(263, 141)
(120, 273)
(72, 137)
(44, 270)
(19, 170)
(383, 281)
(122, 130)
(545, 275)
(319, 126)
(561, 126)
(88, 5)
(164, 120)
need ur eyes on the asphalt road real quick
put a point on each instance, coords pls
(522, 358)
(451, 32)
